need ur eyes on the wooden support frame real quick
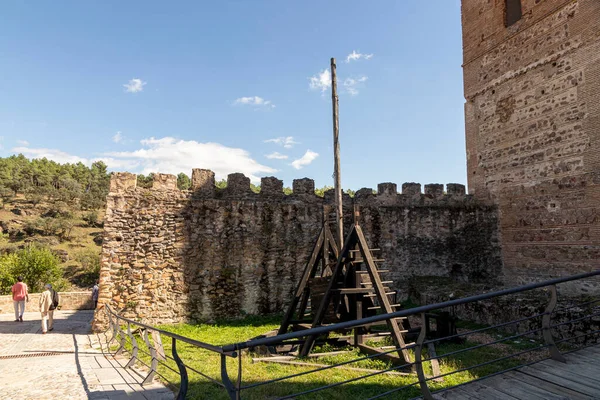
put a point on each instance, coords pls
(324, 246)
(343, 279)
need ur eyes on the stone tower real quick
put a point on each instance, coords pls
(532, 90)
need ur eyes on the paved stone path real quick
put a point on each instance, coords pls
(76, 369)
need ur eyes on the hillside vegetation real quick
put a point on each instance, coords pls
(51, 220)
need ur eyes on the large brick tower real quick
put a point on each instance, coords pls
(532, 90)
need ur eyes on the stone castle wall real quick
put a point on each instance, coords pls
(532, 115)
(171, 255)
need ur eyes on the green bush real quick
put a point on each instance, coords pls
(60, 209)
(37, 266)
(93, 200)
(65, 227)
(90, 262)
(31, 226)
(48, 226)
(6, 195)
(7, 279)
(36, 194)
(90, 218)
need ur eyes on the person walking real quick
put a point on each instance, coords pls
(19, 295)
(53, 306)
(47, 314)
(95, 291)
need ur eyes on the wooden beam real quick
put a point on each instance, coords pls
(384, 357)
(354, 290)
(333, 283)
(309, 270)
(435, 364)
(393, 324)
(336, 156)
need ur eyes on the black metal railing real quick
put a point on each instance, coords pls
(538, 325)
(154, 350)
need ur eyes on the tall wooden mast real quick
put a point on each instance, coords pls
(336, 158)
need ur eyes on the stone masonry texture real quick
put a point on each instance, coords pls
(171, 255)
(532, 116)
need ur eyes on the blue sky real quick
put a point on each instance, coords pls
(236, 86)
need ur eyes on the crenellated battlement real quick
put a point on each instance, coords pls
(203, 181)
(122, 182)
(238, 185)
(164, 182)
(210, 252)
(271, 189)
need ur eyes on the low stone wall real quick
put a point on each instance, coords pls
(68, 301)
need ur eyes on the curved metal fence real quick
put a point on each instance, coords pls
(144, 344)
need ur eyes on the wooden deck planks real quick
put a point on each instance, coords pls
(562, 392)
(565, 381)
(578, 379)
(519, 389)
(588, 372)
(483, 392)
(454, 394)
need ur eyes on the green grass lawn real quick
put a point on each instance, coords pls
(223, 333)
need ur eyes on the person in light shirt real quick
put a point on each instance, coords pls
(45, 305)
(19, 295)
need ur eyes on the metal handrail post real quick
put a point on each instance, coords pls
(183, 387)
(121, 338)
(232, 391)
(239, 379)
(154, 363)
(134, 349)
(419, 360)
(112, 325)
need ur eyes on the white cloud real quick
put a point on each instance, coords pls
(135, 85)
(276, 156)
(320, 81)
(23, 142)
(120, 164)
(118, 137)
(254, 101)
(351, 85)
(170, 155)
(286, 141)
(305, 160)
(167, 155)
(355, 56)
(51, 154)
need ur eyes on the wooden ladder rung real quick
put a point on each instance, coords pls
(370, 283)
(361, 260)
(394, 347)
(379, 271)
(358, 251)
(374, 295)
(379, 307)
